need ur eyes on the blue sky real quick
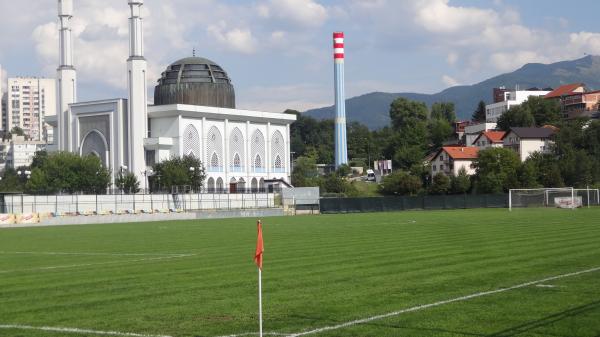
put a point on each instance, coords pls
(278, 52)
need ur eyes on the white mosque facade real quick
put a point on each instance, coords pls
(193, 114)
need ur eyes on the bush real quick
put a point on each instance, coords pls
(401, 183)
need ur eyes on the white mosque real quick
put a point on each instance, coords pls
(193, 114)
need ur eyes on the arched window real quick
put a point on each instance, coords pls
(257, 162)
(236, 150)
(214, 160)
(191, 141)
(258, 150)
(214, 148)
(210, 185)
(277, 152)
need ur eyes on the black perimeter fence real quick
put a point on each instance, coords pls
(402, 203)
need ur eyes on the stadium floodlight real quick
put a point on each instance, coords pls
(544, 197)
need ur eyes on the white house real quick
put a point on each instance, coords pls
(526, 141)
(450, 159)
(489, 139)
(511, 98)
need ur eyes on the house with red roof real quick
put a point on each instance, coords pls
(565, 90)
(489, 139)
(450, 159)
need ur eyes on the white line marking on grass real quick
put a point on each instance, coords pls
(92, 254)
(76, 330)
(96, 264)
(256, 334)
(436, 304)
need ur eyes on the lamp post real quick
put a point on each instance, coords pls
(122, 170)
(292, 153)
(147, 173)
(193, 171)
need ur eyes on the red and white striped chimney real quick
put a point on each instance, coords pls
(338, 46)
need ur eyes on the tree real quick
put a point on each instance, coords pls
(17, 131)
(333, 183)
(359, 139)
(443, 110)
(37, 183)
(528, 177)
(440, 131)
(401, 183)
(128, 183)
(405, 113)
(544, 111)
(496, 170)
(410, 137)
(10, 181)
(461, 183)
(179, 171)
(343, 171)
(305, 172)
(516, 116)
(67, 172)
(479, 113)
(440, 184)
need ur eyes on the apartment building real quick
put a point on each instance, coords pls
(510, 98)
(29, 100)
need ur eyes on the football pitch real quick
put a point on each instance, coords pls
(438, 273)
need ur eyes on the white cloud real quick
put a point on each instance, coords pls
(449, 81)
(307, 13)
(437, 16)
(236, 39)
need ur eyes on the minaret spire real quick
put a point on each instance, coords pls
(66, 75)
(136, 81)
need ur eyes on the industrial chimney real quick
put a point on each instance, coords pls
(341, 150)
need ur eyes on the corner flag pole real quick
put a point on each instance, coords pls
(260, 328)
(258, 259)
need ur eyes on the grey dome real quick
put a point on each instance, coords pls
(195, 81)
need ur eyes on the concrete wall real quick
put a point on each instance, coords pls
(105, 204)
(129, 218)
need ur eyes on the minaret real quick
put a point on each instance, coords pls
(66, 76)
(341, 150)
(136, 83)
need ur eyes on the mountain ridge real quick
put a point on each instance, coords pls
(372, 109)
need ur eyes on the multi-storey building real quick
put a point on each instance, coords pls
(18, 152)
(511, 98)
(29, 101)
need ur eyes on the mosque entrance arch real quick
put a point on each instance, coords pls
(94, 143)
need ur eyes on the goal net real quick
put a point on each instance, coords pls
(544, 197)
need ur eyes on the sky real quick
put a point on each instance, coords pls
(279, 52)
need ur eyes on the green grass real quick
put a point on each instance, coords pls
(319, 271)
(366, 189)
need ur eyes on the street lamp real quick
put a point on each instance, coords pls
(122, 170)
(147, 173)
(194, 177)
(292, 153)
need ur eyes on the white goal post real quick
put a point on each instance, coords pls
(566, 197)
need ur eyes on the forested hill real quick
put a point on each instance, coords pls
(373, 109)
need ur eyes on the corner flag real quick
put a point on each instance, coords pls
(260, 248)
(258, 259)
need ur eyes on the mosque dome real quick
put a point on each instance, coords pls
(195, 81)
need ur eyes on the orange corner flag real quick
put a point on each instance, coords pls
(260, 248)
